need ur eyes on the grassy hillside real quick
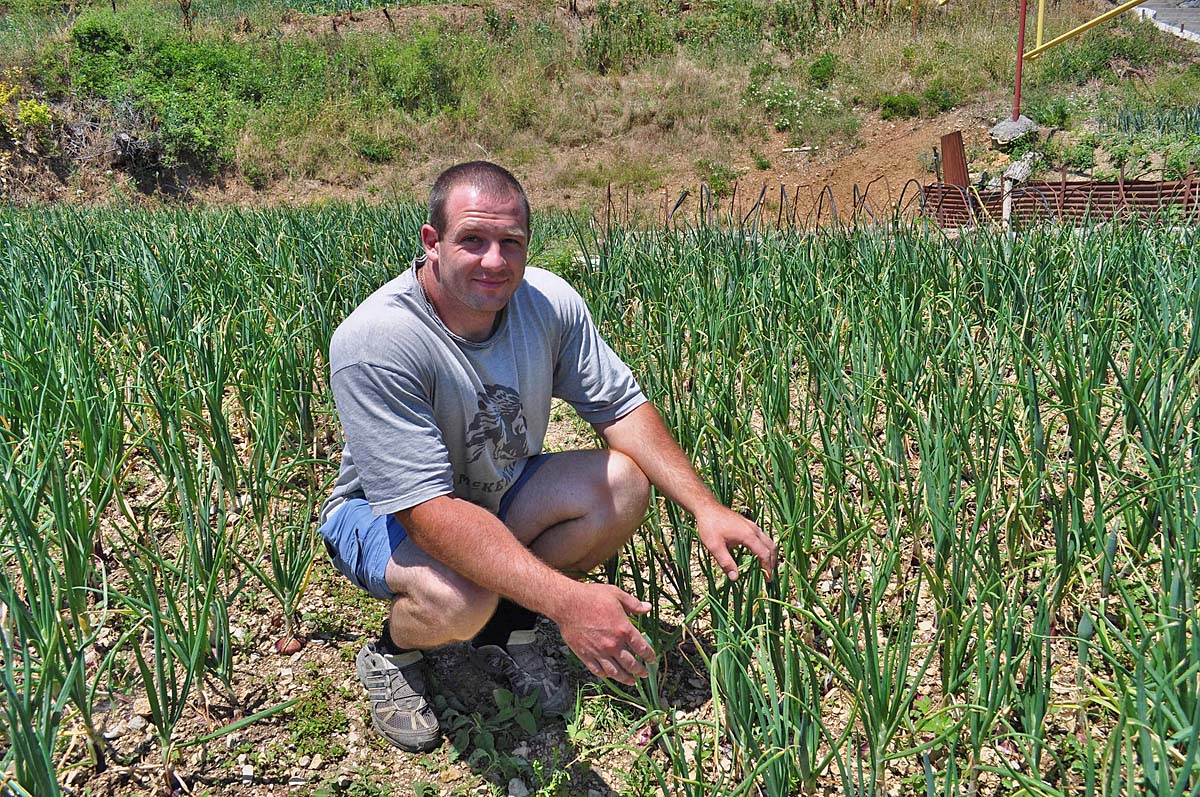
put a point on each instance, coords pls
(98, 100)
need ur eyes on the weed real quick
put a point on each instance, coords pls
(1048, 110)
(316, 724)
(719, 177)
(367, 783)
(373, 148)
(483, 739)
(1080, 156)
(899, 106)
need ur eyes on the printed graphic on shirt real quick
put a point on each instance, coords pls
(499, 426)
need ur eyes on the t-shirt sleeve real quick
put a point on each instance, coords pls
(589, 375)
(388, 422)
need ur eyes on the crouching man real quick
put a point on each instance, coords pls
(445, 505)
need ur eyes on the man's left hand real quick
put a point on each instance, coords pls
(721, 529)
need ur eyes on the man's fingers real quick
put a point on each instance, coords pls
(762, 547)
(632, 605)
(725, 561)
(629, 663)
(642, 649)
(610, 669)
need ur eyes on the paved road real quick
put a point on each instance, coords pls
(1180, 17)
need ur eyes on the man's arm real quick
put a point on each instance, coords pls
(642, 436)
(592, 617)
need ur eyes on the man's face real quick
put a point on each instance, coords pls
(476, 266)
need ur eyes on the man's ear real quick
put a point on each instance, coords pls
(429, 240)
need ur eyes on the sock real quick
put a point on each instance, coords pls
(386, 644)
(509, 617)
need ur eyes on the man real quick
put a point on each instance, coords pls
(445, 505)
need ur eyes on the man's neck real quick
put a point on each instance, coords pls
(477, 328)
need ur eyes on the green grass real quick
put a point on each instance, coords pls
(966, 448)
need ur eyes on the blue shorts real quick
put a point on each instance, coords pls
(360, 543)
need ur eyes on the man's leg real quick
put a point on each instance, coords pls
(433, 605)
(579, 508)
(574, 512)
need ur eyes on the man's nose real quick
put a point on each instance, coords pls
(493, 257)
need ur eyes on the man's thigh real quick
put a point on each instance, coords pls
(572, 485)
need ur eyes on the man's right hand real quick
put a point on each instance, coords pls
(594, 621)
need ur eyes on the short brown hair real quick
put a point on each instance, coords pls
(484, 176)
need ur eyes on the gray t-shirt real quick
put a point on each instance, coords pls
(426, 413)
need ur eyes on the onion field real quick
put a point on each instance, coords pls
(980, 456)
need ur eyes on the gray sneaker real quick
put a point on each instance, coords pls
(396, 686)
(526, 671)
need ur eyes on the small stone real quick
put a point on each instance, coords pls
(517, 788)
(238, 634)
(285, 672)
(115, 732)
(137, 723)
(521, 750)
(241, 758)
(303, 761)
(1010, 130)
(247, 773)
(354, 737)
(316, 762)
(296, 780)
(141, 707)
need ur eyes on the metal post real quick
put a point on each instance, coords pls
(1041, 18)
(1016, 114)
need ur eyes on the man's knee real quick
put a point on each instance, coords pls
(630, 490)
(620, 507)
(457, 607)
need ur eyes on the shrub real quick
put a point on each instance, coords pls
(626, 33)
(100, 35)
(34, 116)
(101, 54)
(1047, 110)
(820, 71)
(940, 96)
(900, 106)
(419, 74)
(733, 24)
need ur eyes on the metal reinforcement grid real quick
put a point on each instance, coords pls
(1065, 202)
(813, 206)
